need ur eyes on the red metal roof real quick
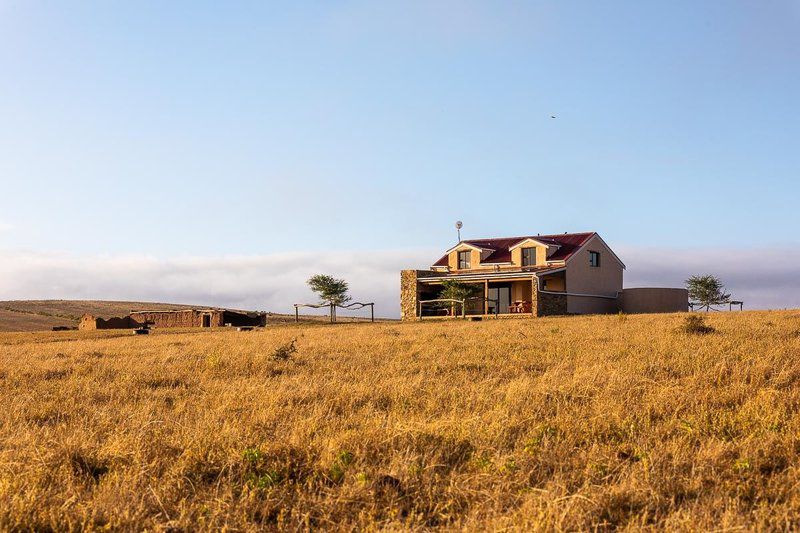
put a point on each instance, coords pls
(568, 244)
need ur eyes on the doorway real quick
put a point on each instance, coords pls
(206, 321)
(499, 295)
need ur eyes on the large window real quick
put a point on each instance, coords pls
(594, 259)
(463, 259)
(528, 257)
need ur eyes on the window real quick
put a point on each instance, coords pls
(594, 259)
(528, 257)
(463, 259)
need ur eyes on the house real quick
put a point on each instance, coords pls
(569, 273)
(179, 318)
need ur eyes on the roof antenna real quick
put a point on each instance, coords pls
(459, 225)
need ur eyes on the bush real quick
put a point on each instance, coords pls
(285, 352)
(696, 325)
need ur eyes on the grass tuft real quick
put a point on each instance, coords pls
(285, 352)
(696, 325)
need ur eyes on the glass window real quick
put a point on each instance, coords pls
(594, 259)
(528, 256)
(463, 259)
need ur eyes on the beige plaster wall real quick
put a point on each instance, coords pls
(584, 279)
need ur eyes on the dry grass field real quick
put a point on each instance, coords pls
(575, 423)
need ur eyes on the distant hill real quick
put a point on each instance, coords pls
(36, 315)
(39, 315)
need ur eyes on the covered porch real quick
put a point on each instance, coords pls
(496, 296)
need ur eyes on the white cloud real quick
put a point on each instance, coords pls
(271, 282)
(4, 227)
(765, 278)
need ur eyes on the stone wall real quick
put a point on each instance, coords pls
(409, 291)
(237, 319)
(87, 322)
(189, 318)
(545, 304)
(551, 304)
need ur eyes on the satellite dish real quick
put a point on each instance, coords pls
(459, 224)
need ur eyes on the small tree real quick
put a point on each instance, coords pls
(707, 290)
(457, 290)
(329, 289)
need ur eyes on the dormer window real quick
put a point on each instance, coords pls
(463, 259)
(594, 259)
(528, 257)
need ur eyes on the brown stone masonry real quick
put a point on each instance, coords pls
(409, 291)
(545, 304)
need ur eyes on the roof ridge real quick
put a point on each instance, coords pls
(550, 236)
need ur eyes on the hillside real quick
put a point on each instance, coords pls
(43, 315)
(36, 315)
(534, 424)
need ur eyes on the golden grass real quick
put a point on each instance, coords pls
(537, 424)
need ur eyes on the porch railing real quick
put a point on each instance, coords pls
(462, 302)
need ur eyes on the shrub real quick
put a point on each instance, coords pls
(696, 325)
(285, 351)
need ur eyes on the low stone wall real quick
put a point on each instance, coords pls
(237, 319)
(409, 291)
(551, 304)
(654, 300)
(189, 318)
(89, 322)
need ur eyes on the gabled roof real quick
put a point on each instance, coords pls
(568, 244)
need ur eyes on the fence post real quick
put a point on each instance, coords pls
(296, 314)
(372, 312)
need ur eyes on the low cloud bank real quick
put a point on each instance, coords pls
(766, 278)
(270, 282)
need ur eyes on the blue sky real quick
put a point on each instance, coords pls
(170, 130)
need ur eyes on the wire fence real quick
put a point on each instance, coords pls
(354, 306)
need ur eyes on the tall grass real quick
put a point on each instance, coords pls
(536, 424)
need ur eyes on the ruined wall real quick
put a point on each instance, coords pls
(189, 318)
(236, 319)
(409, 291)
(89, 322)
